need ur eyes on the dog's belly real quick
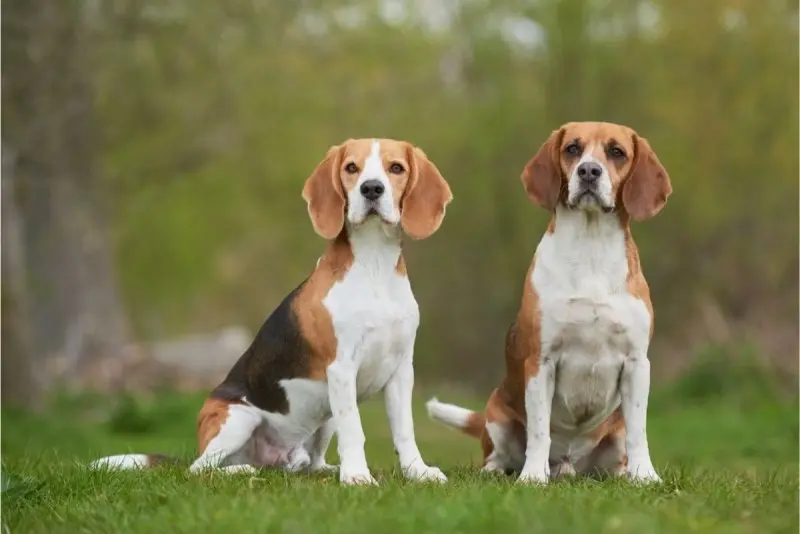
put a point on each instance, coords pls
(309, 408)
(588, 339)
(586, 393)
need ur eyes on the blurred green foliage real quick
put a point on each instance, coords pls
(212, 117)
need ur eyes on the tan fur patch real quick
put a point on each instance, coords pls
(498, 411)
(212, 416)
(523, 348)
(400, 268)
(636, 282)
(313, 317)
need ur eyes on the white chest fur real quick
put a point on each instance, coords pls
(374, 313)
(589, 322)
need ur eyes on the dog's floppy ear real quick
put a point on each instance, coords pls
(646, 190)
(542, 174)
(324, 195)
(425, 198)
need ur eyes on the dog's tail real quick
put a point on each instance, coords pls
(131, 461)
(467, 421)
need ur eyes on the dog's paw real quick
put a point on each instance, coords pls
(322, 467)
(241, 469)
(643, 473)
(533, 477)
(563, 470)
(356, 477)
(493, 468)
(420, 472)
(298, 461)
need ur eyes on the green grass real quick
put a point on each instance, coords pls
(729, 465)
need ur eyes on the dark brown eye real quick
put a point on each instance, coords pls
(616, 152)
(351, 168)
(573, 149)
(396, 168)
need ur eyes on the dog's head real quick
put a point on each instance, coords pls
(384, 178)
(597, 166)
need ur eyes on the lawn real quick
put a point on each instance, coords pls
(728, 458)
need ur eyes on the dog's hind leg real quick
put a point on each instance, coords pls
(503, 440)
(224, 432)
(317, 446)
(608, 458)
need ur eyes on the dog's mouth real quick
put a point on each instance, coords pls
(589, 197)
(373, 212)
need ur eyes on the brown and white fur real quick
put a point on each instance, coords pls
(344, 334)
(574, 396)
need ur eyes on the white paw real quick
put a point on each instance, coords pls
(356, 477)
(563, 470)
(533, 477)
(492, 468)
(423, 473)
(242, 469)
(643, 473)
(323, 467)
(299, 460)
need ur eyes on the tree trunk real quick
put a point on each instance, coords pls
(74, 314)
(19, 386)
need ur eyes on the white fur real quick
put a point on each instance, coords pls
(596, 335)
(228, 448)
(358, 207)
(507, 452)
(538, 403)
(121, 461)
(375, 319)
(449, 414)
(603, 186)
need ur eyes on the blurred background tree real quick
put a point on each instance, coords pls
(159, 149)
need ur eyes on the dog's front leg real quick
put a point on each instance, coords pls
(538, 404)
(634, 390)
(397, 395)
(347, 422)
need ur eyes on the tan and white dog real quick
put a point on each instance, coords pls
(344, 334)
(574, 397)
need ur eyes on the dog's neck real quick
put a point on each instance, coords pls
(570, 225)
(372, 246)
(584, 246)
(376, 245)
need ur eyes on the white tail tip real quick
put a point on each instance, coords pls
(449, 414)
(122, 461)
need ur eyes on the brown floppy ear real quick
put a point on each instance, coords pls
(323, 193)
(646, 190)
(542, 174)
(425, 198)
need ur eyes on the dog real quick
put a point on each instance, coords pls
(346, 333)
(577, 377)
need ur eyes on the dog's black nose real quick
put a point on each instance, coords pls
(372, 189)
(589, 171)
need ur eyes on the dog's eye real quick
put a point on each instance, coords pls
(616, 152)
(573, 149)
(396, 168)
(351, 168)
